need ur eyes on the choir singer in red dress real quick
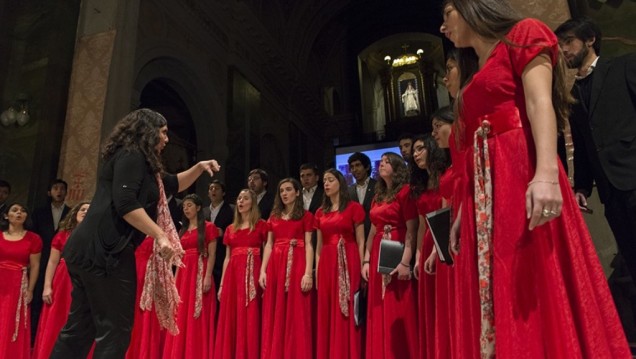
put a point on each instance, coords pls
(340, 244)
(531, 282)
(392, 307)
(286, 277)
(238, 332)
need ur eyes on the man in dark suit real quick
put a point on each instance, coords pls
(257, 182)
(45, 223)
(603, 124)
(312, 192)
(221, 214)
(5, 191)
(364, 189)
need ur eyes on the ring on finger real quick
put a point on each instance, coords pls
(546, 212)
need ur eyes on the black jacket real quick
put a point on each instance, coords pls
(316, 200)
(368, 199)
(125, 183)
(222, 221)
(604, 136)
(266, 204)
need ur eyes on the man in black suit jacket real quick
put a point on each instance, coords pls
(312, 192)
(5, 191)
(221, 214)
(603, 124)
(257, 182)
(363, 190)
(45, 223)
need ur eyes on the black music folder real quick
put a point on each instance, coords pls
(359, 307)
(390, 255)
(439, 223)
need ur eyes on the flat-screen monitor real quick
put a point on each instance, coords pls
(373, 150)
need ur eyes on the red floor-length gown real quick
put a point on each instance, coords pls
(14, 259)
(147, 338)
(54, 315)
(446, 335)
(392, 330)
(195, 331)
(550, 295)
(287, 325)
(238, 332)
(427, 202)
(337, 335)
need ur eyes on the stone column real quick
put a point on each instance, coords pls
(100, 88)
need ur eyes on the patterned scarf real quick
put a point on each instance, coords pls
(483, 219)
(159, 284)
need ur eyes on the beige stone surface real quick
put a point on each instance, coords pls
(87, 93)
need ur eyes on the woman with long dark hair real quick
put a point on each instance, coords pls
(392, 308)
(19, 265)
(130, 196)
(57, 286)
(287, 278)
(428, 163)
(238, 332)
(197, 309)
(529, 280)
(339, 247)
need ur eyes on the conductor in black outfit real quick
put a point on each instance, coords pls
(100, 252)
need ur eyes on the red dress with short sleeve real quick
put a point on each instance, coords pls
(54, 315)
(550, 295)
(195, 316)
(391, 320)
(238, 332)
(287, 325)
(147, 338)
(427, 202)
(338, 337)
(14, 260)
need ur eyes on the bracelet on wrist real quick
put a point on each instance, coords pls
(405, 265)
(365, 262)
(542, 181)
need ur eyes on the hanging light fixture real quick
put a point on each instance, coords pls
(405, 59)
(18, 113)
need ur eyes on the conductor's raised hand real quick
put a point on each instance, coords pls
(210, 166)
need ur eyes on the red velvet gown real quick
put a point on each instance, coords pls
(287, 321)
(196, 328)
(238, 332)
(147, 338)
(427, 202)
(14, 259)
(391, 321)
(445, 320)
(550, 295)
(54, 315)
(337, 334)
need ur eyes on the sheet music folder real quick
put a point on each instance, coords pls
(439, 223)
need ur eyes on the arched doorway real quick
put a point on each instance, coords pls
(180, 153)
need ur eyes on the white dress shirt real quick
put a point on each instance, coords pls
(214, 211)
(308, 194)
(361, 189)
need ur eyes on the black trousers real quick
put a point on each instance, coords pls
(102, 310)
(620, 211)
